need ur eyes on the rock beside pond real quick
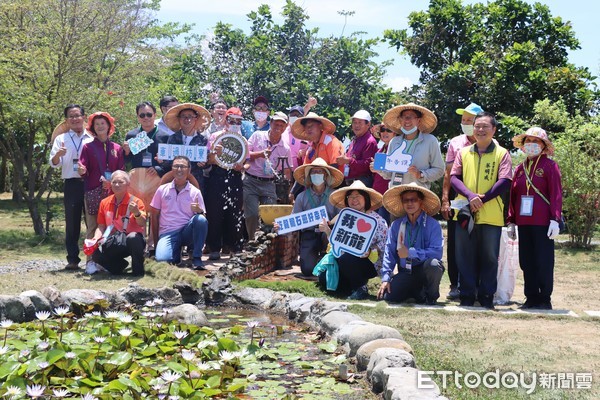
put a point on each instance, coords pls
(84, 296)
(401, 384)
(16, 309)
(385, 358)
(299, 309)
(256, 297)
(217, 290)
(343, 334)
(186, 314)
(188, 294)
(334, 320)
(40, 303)
(364, 334)
(138, 295)
(363, 354)
(54, 296)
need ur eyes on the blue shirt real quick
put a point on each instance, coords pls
(424, 241)
(248, 128)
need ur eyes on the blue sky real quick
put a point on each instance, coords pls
(373, 17)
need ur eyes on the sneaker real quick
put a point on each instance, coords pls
(72, 266)
(215, 255)
(544, 305)
(467, 302)
(91, 268)
(453, 294)
(359, 294)
(198, 265)
(528, 305)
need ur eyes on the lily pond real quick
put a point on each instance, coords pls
(134, 354)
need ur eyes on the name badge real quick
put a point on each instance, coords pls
(397, 179)
(75, 164)
(147, 160)
(526, 206)
(107, 175)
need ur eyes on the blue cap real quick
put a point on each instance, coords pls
(471, 109)
(297, 108)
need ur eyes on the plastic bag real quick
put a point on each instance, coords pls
(508, 265)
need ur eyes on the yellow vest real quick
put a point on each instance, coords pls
(479, 174)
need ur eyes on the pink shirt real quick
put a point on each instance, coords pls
(259, 167)
(295, 146)
(175, 208)
(456, 144)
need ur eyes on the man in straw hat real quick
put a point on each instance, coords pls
(456, 144)
(480, 174)
(319, 131)
(414, 245)
(264, 151)
(69, 138)
(319, 179)
(415, 124)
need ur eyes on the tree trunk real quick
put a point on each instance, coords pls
(36, 218)
(3, 175)
(16, 194)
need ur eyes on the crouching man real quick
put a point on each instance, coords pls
(414, 245)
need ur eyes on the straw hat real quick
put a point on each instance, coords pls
(392, 120)
(171, 118)
(111, 122)
(335, 176)
(392, 200)
(536, 132)
(376, 131)
(298, 127)
(61, 128)
(337, 198)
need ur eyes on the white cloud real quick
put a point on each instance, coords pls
(397, 83)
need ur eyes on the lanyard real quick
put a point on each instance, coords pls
(311, 199)
(529, 173)
(74, 145)
(106, 150)
(411, 240)
(411, 143)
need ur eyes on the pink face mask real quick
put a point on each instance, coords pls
(532, 149)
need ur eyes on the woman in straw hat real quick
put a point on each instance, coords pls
(188, 121)
(414, 246)
(355, 272)
(319, 180)
(385, 134)
(99, 159)
(415, 124)
(535, 207)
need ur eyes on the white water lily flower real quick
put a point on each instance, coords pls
(125, 332)
(206, 343)
(188, 355)
(170, 376)
(43, 365)
(180, 334)
(24, 353)
(6, 323)
(157, 386)
(149, 303)
(70, 355)
(252, 324)
(227, 356)
(60, 392)
(4, 350)
(89, 396)
(242, 353)
(42, 315)
(158, 301)
(43, 345)
(99, 339)
(35, 391)
(113, 314)
(202, 366)
(13, 391)
(61, 311)
(126, 318)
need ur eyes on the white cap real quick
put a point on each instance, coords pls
(362, 114)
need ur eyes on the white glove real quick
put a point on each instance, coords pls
(512, 231)
(553, 230)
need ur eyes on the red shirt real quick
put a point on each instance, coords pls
(108, 205)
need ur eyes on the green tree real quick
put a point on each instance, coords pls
(286, 63)
(505, 55)
(56, 52)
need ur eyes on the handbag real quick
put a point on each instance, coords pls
(115, 245)
(92, 200)
(562, 224)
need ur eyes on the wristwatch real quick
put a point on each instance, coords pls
(422, 175)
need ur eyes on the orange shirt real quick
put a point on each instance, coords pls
(329, 148)
(108, 204)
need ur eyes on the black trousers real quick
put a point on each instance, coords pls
(115, 265)
(354, 273)
(451, 253)
(536, 258)
(422, 284)
(74, 207)
(312, 245)
(224, 213)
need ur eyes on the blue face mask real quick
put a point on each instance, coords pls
(409, 131)
(317, 179)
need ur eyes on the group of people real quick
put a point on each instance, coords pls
(210, 207)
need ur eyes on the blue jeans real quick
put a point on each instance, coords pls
(193, 234)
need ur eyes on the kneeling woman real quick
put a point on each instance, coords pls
(121, 211)
(355, 272)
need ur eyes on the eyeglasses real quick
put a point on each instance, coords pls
(234, 121)
(188, 117)
(261, 108)
(410, 200)
(357, 197)
(146, 115)
(386, 130)
(482, 127)
(409, 117)
(180, 167)
(74, 116)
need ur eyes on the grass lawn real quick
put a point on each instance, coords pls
(442, 340)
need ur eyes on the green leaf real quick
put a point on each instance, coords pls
(8, 368)
(54, 355)
(120, 358)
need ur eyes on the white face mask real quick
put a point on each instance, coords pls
(467, 129)
(532, 149)
(235, 128)
(261, 115)
(409, 131)
(317, 179)
(292, 120)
